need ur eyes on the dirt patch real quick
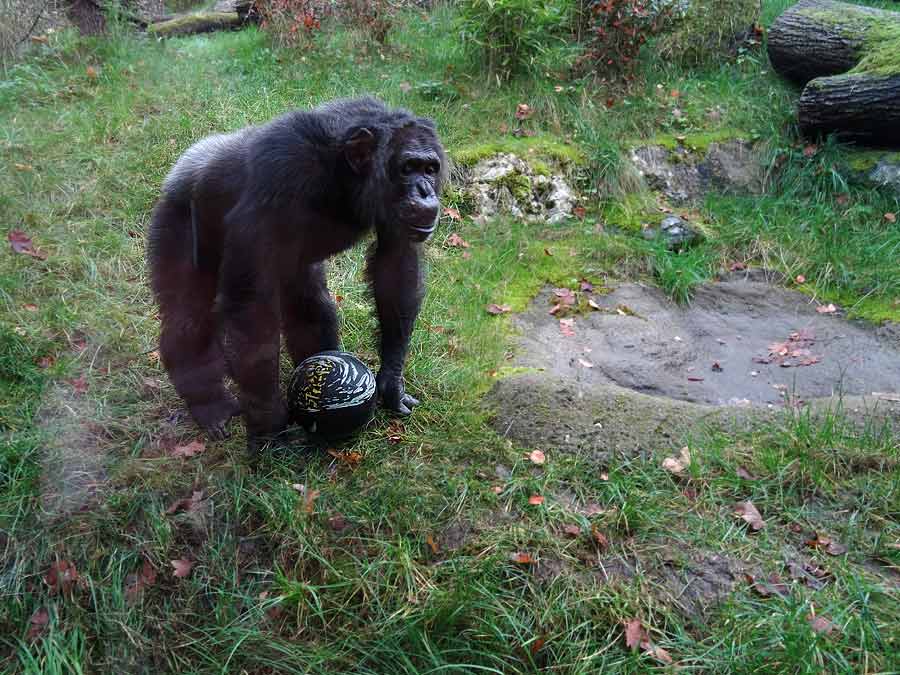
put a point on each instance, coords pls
(644, 371)
(697, 583)
(74, 457)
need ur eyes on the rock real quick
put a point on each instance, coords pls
(685, 176)
(676, 233)
(887, 173)
(507, 184)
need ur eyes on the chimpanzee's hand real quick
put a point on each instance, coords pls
(393, 395)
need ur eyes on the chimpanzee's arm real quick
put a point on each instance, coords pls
(395, 271)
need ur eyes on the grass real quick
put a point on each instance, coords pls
(277, 587)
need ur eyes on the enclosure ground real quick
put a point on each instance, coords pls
(444, 542)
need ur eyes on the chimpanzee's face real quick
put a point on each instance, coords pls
(416, 176)
(403, 176)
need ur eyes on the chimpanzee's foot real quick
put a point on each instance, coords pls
(213, 417)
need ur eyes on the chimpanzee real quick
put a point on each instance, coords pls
(239, 239)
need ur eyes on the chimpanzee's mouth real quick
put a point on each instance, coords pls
(421, 233)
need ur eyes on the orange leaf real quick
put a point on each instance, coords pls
(535, 500)
(309, 500)
(432, 544)
(495, 309)
(748, 513)
(457, 241)
(181, 567)
(188, 450)
(522, 558)
(452, 213)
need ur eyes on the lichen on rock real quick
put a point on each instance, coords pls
(507, 184)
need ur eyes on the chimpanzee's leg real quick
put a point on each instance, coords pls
(189, 343)
(308, 313)
(249, 308)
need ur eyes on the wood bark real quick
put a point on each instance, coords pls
(815, 43)
(190, 24)
(863, 108)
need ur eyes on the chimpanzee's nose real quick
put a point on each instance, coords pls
(424, 189)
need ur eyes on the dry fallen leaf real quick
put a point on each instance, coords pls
(521, 558)
(537, 457)
(567, 327)
(890, 217)
(748, 513)
(743, 473)
(535, 500)
(585, 363)
(593, 304)
(136, 582)
(497, 489)
(79, 385)
(822, 626)
(636, 637)
(495, 309)
(827, 544)
(432, 544)
(181, 567)
(456, 241)
(61, 577)
(452, 213)
(523, 111)
(773, 586)
(572, 530)
(21, 243)
(188, 449)
(826, 309)
(337, 522)
(188, 504)
(309, 500)
(677, 465)
(634, 633)
(91, 72)
(810, 150)
(579, 212)
(800, 279)
(38, 623)
(600, 539)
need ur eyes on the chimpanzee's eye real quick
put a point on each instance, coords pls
(408, 168)
(431, 168)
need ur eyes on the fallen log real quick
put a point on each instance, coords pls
(191, 24)
(848, 56)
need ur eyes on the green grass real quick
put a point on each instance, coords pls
(277, 589)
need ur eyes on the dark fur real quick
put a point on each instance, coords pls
(239, 238)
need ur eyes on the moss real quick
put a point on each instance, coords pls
(698, 142)
(518, 184)
(877, 40)
(533, 148)
(882, 52)
(864, 161)
(632, 212)
(194, 23)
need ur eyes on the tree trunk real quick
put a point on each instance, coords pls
(816, 43)
(821, 37)
(862, 107)
(189, 24)
(87, 16)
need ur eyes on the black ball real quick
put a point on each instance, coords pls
(332, 394)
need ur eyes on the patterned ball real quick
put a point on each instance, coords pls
(332, 394)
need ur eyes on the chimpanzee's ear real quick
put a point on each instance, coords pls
(359, 149)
